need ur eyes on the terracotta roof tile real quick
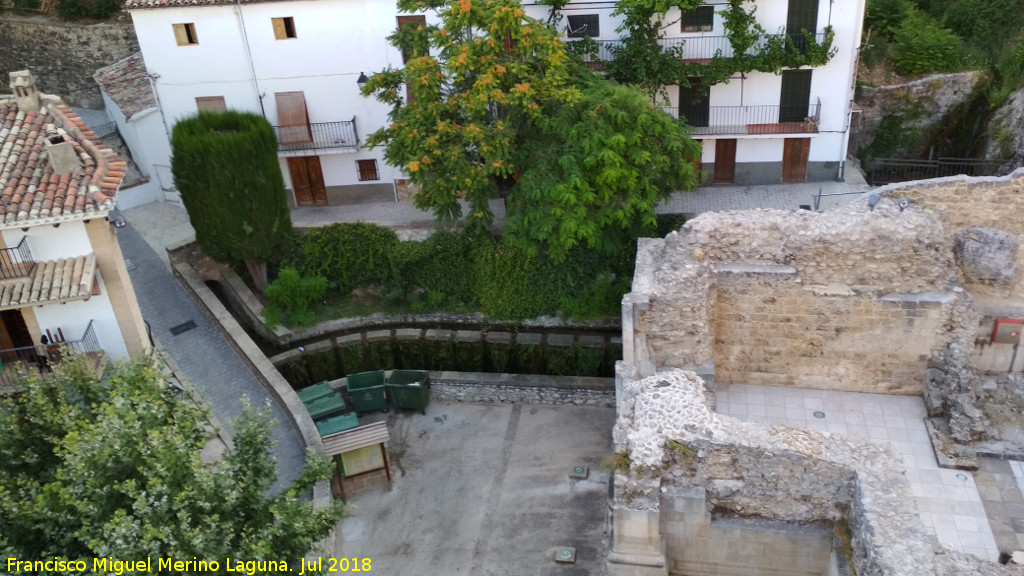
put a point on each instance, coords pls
(140, 4)
(29, 189)
(127, 84)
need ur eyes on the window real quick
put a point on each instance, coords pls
(284, 28)
(292, 119)
(404, 21)
(367, 170)
(583, 26)
(702, 19)
(185, 34)
(211, 104)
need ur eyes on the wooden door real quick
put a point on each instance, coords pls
(725, 161)
(307, 180)
(794, 159)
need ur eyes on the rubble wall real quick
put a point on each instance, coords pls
(678, 444)
(854, 299)
(961, 202)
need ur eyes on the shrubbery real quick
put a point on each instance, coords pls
(459, 272)
(920, 46)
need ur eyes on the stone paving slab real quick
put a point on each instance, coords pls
(202, 354)
(948, 501)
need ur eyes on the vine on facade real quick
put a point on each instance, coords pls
(640, 58)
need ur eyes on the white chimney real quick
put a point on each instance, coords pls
(23, 85)
(61, 153)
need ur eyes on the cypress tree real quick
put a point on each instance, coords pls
(225, 166)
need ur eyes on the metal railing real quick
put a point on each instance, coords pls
(703, 47)
(889, 170)
(16, 262)
(105, 129)
(318, 135)
(767, 119)
(41, 357)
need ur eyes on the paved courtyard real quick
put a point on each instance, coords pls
(948, 500)
(485, 490)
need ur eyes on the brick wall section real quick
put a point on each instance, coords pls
(63, 55)
(961, 202)
(771, 332)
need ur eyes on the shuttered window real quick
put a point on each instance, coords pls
(292, 119)
(367, 170)
(795, 97)
(211, 104)
(284, 28)
(404, 21)
(701, 19)
(185, 34)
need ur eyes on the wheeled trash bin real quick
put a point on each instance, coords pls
(409, 389)
(325, 407)
(315, 392)
(367, 391)
(336, 424)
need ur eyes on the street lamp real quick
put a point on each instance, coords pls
(362, 80)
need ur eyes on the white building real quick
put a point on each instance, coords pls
(757, 128)
(295, 62)
(62, 274)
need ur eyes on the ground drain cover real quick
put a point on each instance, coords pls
(565, 555)
(819, 414)
(579, 473)
(183, 327)
(130, 264)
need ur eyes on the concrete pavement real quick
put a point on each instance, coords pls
(484, 490)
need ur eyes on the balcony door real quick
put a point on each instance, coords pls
(694, 98)
(802, 15)
(795, 99)
(307, 180)
(13, 332)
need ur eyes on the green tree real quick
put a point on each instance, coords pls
(113, 469)
(483, 86)
(225, 166)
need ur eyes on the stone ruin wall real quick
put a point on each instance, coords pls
(852, 299)
(758, 471)
(961, 202)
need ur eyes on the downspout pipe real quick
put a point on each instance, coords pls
(248, 55)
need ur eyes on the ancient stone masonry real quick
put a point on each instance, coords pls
(64, 55)
(854, 299)
(680, 449)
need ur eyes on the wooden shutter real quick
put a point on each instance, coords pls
(694, 103)
(211, 104)
(404, 21)
(280, 32)
(292, 119)
(181, 35)
(801, 15)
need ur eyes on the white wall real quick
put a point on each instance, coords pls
(335, 42)
(69, 240)
(73, 318)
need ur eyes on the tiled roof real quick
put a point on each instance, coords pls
(139, 4)
(51, 282)
(127, 85)
(30, 192)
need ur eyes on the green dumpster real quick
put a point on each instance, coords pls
(315, 392)
(336, 424)
(409, 389)
(326, 406)
(367, 391)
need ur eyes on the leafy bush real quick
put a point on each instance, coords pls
(987, 23)
(886, 16)
(434, 274)
(921, 46)
(290, 296)
(79, 9)
(349, 255)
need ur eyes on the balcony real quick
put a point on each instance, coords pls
(750, 120)
(16, 262)
(321, 135)
(38, 359)
(701, 48)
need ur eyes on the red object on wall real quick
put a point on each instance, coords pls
(1007, 331)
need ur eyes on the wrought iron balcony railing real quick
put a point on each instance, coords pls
(701, 47)
(16, 262)
(318, 135)
(41, 357)
(782, 119)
